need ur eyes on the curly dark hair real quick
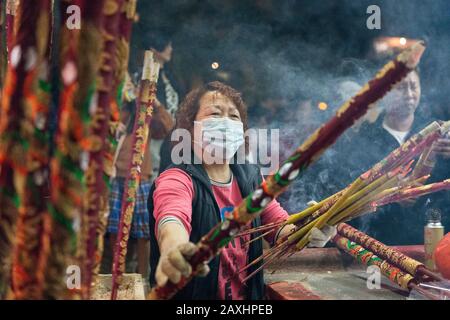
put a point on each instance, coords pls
(188, 109)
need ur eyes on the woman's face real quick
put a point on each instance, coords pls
(219, 143)
(215, 105)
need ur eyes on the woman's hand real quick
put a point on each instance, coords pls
(317, 239)
(176, 250)
(320, 237)
(175, 265)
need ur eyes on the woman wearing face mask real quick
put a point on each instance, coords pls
(188, 200)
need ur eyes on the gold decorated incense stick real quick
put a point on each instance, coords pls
(363, 255)
(387, 253)
(141, 130)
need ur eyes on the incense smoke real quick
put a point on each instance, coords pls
(287, 56)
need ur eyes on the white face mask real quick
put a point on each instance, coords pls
(220, 136)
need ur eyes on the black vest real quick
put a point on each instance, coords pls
(205, 215)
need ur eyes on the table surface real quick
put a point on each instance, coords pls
(329, 274)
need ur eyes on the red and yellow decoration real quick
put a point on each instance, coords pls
(122, 53)
(400, 269)
(24, 156)
(79, 52)
(368, 258)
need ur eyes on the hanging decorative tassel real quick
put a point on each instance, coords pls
(34, 223)
(90, 49)
(99, 131)
(122, 52)
(78, 66)
(23, 151)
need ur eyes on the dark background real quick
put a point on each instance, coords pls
(292, 49)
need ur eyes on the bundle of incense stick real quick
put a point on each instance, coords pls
(141, 128)
(370, 258)
(308, 152)
(388, 181)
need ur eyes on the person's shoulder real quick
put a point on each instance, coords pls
(173, 176)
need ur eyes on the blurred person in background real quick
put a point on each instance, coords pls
(393, 122)
(374, 141)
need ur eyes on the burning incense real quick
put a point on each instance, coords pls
(410, 149)
(396, 275)
(321, 221)
(308, 152)
(413, 147)
(141, 130)
(376, 185)
(384, 174)
(351, 203)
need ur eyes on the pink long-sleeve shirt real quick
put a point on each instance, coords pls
(173, 201)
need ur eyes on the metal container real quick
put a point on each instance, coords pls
(433, 233)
